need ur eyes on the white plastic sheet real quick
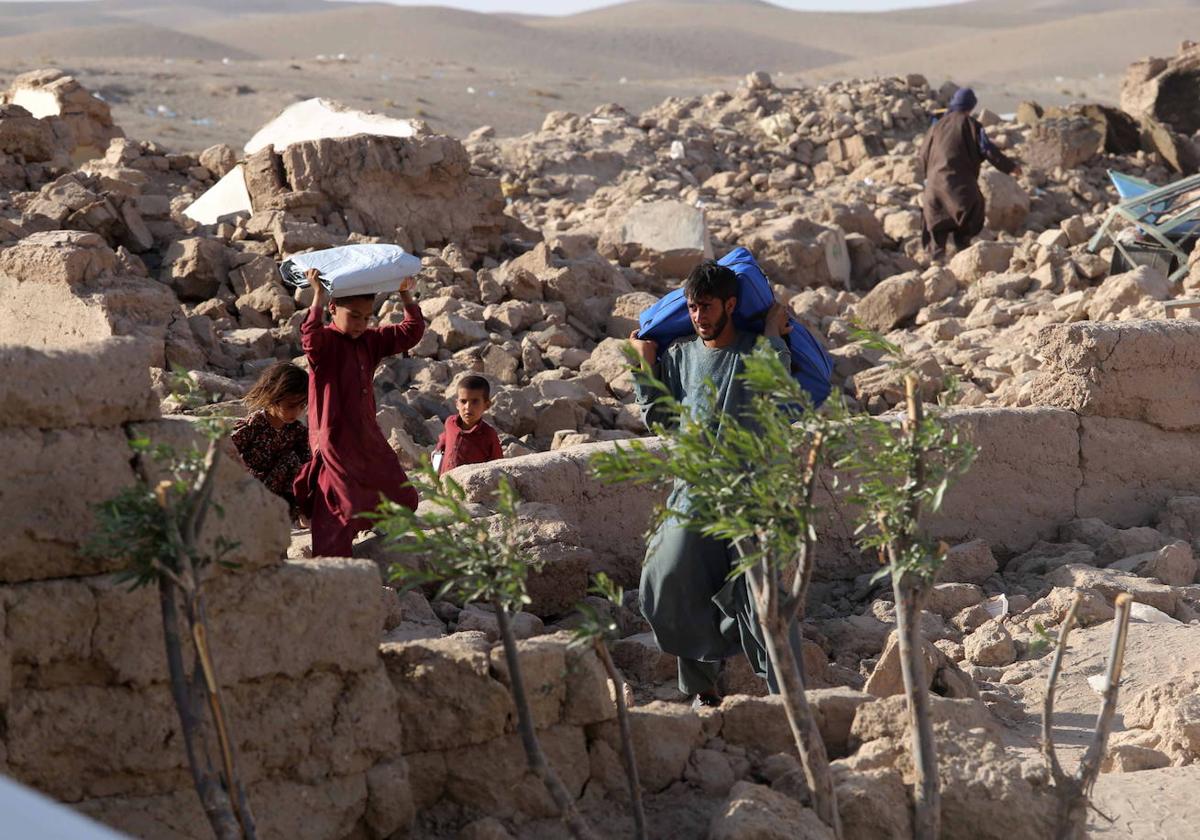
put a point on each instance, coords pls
(354, 269)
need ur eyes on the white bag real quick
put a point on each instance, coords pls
(353, 269)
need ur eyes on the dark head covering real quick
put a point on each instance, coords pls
(963, 100)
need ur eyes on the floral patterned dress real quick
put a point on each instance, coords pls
(273, 456)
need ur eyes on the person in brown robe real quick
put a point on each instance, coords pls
(955, 147)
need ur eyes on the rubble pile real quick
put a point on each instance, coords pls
(605, 211)
(538, 253)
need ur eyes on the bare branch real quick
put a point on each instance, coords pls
(631, 771)
(916, 416)
(1089, 767)
(1048, 749)
(1073, 792)
(794, 605)
(201, 495)
(534, 757)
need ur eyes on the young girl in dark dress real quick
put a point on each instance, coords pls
(271, 440)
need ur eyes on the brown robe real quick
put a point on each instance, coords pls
(952, 153)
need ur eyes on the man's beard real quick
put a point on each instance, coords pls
(718, 328)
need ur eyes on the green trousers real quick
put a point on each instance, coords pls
(698, 613)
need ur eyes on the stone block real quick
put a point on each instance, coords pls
(1132, 469)
(671, 234)
(564, 478)
(664, 735)
(51, 481)
(420, 184)
(1135, 370)
(589, 697)
(447, 696)
(85, 741)
(195, 268)
(244, 512)
(969, 562)
(1007, 203)
(640, 659)
(1023, 481)
(624, 316)
(99, 384)
(757, 811)
(756, 723)
(1110, 583)
(329, 808)
(561, 578)
(493, 777)
(543, 668)
(52, 315)
(66, 257)
(1062, 143)
(891, 302)
(302, 615)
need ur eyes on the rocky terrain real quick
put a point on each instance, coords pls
(538, 253)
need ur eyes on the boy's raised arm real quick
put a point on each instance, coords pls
(396, 338)
(312, 330)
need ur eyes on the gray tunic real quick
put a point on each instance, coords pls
(697, 612)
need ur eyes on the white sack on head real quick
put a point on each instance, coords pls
(353, 269)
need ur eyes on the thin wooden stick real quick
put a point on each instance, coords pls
(1089, 767)
(1048, 748)
(202, 493)
(1074, 791)
(794, 606)
(631, 770)
(534, 757)
(216, 707)
(805, 733)
(909, 593)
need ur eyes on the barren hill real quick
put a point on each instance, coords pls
(459, 69)
(115, 39)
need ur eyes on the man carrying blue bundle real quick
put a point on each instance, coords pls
(698, 613)
(955, 148)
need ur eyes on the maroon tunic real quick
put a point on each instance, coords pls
(273, 456)
(467, 446)
(352, 464)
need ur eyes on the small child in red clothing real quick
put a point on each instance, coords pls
(468, 439)
(271, 440)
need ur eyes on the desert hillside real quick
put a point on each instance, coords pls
(196, 72)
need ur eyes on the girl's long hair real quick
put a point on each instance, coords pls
(281, 381)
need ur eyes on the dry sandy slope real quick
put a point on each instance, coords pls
(665, 42)
(459, 70)
(111, 40)
(1075, 47)
(844, 35)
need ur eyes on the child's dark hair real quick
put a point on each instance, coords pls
(474, 382)
(281, 381)
(710, 279)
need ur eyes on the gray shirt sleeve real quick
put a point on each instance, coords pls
(779, 345)
(666, 369)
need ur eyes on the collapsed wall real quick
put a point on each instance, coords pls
(1108, 430)
(87, 714)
